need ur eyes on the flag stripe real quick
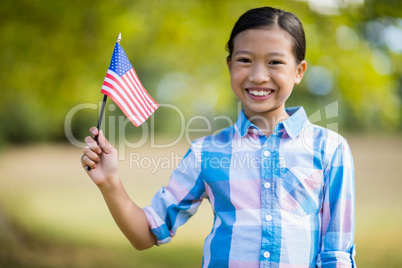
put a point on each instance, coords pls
(146, 109)
(126, 88)
(123, 106)
(134, 79)
(111, 94)
(128, 108)
(144, 104)
(124, 92)
(148, 97)
(126, 79)
(131, 74)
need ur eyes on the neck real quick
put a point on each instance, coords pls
(266, 121)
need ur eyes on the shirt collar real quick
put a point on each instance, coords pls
(296, 122)
(243, 125)
(293, 125)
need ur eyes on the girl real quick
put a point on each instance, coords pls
(281, 188)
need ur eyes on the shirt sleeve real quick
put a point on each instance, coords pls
(174, 204)
(338, 210)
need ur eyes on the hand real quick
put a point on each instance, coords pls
(101, 157)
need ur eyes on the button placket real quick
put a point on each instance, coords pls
(270, 176)
(267, 196)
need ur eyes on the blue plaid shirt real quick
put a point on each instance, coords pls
(285, 201)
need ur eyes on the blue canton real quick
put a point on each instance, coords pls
(119, 63)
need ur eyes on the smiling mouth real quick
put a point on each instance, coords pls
(260, 93)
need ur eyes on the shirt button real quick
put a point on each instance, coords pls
(267, 153)
(267, 185)
(268, 217)
(266, 254)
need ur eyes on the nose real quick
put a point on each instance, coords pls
(259, 74)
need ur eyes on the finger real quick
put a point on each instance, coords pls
(93, 145)
(94, 131)
(104, 143)
(85, 162)
(91, 154)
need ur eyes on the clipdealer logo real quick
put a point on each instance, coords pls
(331, 111)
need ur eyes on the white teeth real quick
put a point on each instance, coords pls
(260, 93)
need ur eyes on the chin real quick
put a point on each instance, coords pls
(261, 109)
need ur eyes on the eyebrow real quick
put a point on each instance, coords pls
(280, 54)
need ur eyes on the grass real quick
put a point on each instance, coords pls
(59, 219)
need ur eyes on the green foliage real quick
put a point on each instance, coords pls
(55, 55)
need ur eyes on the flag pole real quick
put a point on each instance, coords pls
(102, 108)
(101, 115)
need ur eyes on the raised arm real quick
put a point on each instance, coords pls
(131, 219)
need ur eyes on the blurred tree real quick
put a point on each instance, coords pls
(55, 55)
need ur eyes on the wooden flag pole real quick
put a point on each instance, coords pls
(102, 108)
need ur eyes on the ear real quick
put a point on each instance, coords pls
(228, 63)
(301, 69)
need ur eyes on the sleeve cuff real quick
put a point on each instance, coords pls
(157, 226)
(337, 259)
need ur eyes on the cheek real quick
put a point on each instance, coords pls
(238, 75)
(286, 78)
(236, 82)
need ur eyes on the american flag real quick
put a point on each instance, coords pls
(125, 89)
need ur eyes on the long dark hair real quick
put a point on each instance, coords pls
(268, 17)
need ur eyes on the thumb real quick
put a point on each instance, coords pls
(104, 143)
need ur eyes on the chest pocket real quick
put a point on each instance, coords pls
(300, 191)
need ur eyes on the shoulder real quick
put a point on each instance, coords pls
(324, 140)
(322, 133)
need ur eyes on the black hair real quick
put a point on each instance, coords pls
(270, 17)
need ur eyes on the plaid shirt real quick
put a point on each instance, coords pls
(285, 201)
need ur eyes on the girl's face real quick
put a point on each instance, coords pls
(263, 71)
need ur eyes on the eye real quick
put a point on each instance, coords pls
(243, 60)
(275, 62)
